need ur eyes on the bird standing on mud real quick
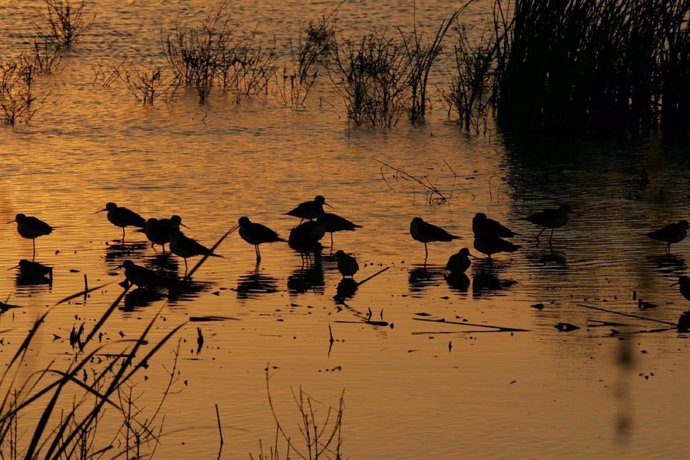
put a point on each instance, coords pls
(425, 232)
(30, 227)
(309, 209)
(671, 233)
(123, 217)
(256, 234)
(552, 218)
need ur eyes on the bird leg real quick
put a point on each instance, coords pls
(538, 235)
(551, 237)
(426, 253)
(185, 267)
(33, 243)
(258, 253)
(123, 235)
(331, 242)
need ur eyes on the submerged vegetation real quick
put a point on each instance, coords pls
(574, 66)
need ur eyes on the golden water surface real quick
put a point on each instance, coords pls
(412, 389)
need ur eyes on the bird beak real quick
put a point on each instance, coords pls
(100, 211)
(232, 230)
(183, 225)
(9, 222)
(328, 205)
(12, 268)
(676, 283)
(473, 256)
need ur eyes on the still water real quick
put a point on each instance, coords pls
(412, 389)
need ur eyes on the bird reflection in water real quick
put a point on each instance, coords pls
(669, 264)
(346, 289)
(458, 282)
(485, 278)
(421, 276)
(307, 278)
(116, 252)
(33, 273)
(254, 283)
(140, 298)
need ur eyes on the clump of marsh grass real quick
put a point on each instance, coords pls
(319, 437)
(146, 85)
(17, 96)
(65, 21)
(71, 403)
(604, 66)
(469, 90)
(313, 49)
(371, 76)
(211, 54)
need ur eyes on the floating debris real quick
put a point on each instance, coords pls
(566, 327)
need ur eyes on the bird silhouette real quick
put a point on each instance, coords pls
(256, 234)
(347, 265)
(425, 232)
(30, 227)
(123, 217)
(552, 218)
(671, 233)
(309, 209)
(334, 223)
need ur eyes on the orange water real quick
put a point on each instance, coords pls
(415, 390)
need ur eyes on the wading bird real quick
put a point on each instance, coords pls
(305, 237)
(185, 247)
(123, 217)
(671, 233)
(334, 223)
(684, 283)
(347, 265)
(141, 276)
(491, 244)
(158, 230)
(552, 218)
(425, 232)
(256, 234)
(485, 226)
(309, 209)
(31, 228)
(460, 262)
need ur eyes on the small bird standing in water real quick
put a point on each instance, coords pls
(123, 217)
(491, 244)
(485, 226)
(684, 283)
(141, 276)
(460, 262)
(256, 234)
(30, 227)
(309, 209)
(552, 218)
(334, 223)
(158, 230)
(347, 265)
(425, 232)
(672, 233)
(185, 247)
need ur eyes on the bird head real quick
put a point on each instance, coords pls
(242, 221)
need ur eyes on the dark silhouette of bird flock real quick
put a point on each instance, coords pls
(490, 238)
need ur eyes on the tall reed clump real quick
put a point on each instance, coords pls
(72, 402)
(17, 94)
(595, 66)
(371, 74)
(212, 54)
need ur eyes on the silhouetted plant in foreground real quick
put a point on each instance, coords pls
(319, 437)
(72, 402)
(146, 85)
